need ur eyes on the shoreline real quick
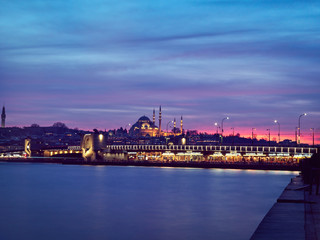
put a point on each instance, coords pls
(145, 163)
(294, 216)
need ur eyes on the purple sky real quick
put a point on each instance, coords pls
(103, 64)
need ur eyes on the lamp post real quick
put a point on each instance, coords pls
(217, 125)
(312, 129)
(269, 135)
(222, 128)
(232, 136)
(168, 124)
(299, 127)
(276, 121)
(252, 136)
(296, 134)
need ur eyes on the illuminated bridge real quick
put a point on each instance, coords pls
(207, 153)
(213, 149)
(94, 148)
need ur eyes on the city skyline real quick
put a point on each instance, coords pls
(268, 134)
(104, 65)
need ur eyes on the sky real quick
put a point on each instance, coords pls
(104, 63)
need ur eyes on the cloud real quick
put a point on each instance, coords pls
(119, 60)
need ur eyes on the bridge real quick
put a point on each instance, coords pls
(94, 147)
(207, 153)
(213, 149)
(31, 149)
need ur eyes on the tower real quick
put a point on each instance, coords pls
(181, 125)
(160, 121)
(154, 117)
(174, 124)
(3, 117)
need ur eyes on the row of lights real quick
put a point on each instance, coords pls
(275, 121)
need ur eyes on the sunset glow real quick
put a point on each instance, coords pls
(93, 64)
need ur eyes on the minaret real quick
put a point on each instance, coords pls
(181, 125)
(160, 121)
(154, 117)
(3, 117)
(174, 123)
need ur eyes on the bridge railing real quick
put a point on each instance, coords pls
(211, 148)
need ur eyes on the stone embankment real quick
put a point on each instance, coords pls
(295, 215)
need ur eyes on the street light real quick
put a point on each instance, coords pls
(299, 136)
(269, 135)
(232, 136)
(168, 124)
(252, 135)
(276, 121)
(222, 128)
(217, 125)
(222, 124)
(312, 129)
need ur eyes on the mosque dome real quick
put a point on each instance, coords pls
(144, 119)
(143, 127)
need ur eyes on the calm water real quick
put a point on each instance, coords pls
(51, 201)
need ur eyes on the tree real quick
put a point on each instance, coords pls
(59, 125)
(34, 125)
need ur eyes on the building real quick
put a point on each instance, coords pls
(176, 130)
(3, 117)
(145, 127)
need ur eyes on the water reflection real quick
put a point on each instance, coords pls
(76, 202)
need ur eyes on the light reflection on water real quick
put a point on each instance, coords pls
(46, 201)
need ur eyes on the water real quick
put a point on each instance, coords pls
(52, 201)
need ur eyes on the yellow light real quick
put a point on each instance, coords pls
(100, 137)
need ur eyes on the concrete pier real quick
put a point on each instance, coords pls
(295, 215)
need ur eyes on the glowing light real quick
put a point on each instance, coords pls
(100, 137)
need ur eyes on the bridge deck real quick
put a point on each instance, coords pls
(211, 148)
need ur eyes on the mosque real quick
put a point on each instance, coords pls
(145, 127)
